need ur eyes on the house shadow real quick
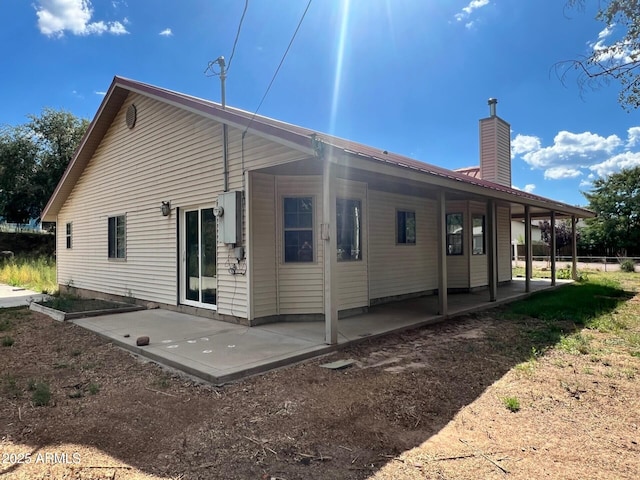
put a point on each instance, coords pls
(309, 422)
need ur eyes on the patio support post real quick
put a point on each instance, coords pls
(441, 222)
(528, 261)
(328, 236)
(553, 248)
(574, 248)
(492, 254)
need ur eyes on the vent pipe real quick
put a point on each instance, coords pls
(492, 106)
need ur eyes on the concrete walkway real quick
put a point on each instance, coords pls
(219, 352)
(17, 297)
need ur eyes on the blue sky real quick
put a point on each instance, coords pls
(408, 76)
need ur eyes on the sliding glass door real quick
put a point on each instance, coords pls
(199, 258)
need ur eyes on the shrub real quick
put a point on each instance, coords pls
(628, 265)
(512, 403)
(41, 395)
(7, 341)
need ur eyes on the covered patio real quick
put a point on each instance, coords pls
(220, 352)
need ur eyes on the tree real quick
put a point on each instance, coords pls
(616, 201)
(615, 56)
(564, 234)
(33, 158)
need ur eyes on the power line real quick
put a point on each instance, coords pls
(278, 69)
(235, 42)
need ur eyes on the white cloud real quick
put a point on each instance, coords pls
(466, 11)
(574, 154)
(529, 187)
(616, 163)
(615, 53)
(556, 173)
(573, 149)
(166, 33)
(55, 17)
(585, 183)
(101, 93)
(633, 137)
(524, 144)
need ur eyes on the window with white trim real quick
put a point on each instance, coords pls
(117, 236)
(405, 227)
(454, 233)
(478, 245)
(348, 229)
(68, 232)
(298, 229)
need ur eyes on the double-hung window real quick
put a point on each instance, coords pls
(349, 229)
(118, 236)
(298, 229)
(405, 227)
(478, 247)
(454, 234)
(68, 233)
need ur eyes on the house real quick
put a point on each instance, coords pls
(175, 200)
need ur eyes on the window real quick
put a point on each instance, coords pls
(117, 237)
(68, 235)
(349, 229)
(406, 227)
(298, 229)
(478, 235)
(454, 234)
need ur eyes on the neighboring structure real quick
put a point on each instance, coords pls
(277, 222)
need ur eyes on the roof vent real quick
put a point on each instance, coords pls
(132, 115)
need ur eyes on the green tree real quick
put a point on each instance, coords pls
(615, 55)
(616, 201)
(33, 158)
(564, 235)
(18, 164)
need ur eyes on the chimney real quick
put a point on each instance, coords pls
(495, 147)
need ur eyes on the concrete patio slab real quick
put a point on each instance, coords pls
(219, 352)
(17, 297)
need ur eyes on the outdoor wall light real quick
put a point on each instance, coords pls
(166, 208)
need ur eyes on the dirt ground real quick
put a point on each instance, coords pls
(424, 404)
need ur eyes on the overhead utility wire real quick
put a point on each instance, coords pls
(233, 50)
(235, 42)
(277, 69)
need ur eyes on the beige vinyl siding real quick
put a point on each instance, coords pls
(352, 276)
(458, 265)
(504, 243)
(263, 245)
(400, 269)
(300, 285)
(170, 155)
(478, 270)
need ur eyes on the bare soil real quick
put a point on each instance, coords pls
(424, 404)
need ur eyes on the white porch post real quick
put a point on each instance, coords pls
(574, 248)
(328, 235)
(527, 249)
(492, 254)
(553, 248)
(441, 228)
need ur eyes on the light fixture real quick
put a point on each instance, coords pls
(166, 209)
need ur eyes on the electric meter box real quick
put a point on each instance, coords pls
(230, 217)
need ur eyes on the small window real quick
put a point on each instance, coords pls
(406, 228)
(454, 233)
(68, 235)
(478, 235)
(349, 229)
(298, 229)
(117, 236)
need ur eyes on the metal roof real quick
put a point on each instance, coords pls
(292, 135)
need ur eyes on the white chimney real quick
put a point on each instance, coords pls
(495, 147)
